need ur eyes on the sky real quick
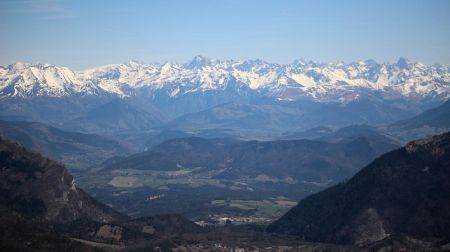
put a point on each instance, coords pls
(86, 33)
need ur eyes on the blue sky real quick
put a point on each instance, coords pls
(82, 34)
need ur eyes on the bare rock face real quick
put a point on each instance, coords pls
(404, 192)
(110, 232)
(366, 228)
(39, 187)
(42, 209)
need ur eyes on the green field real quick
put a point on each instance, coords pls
(262, 208)
(132, 178)
(193, 193)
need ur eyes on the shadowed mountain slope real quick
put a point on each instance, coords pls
(41, 209)
(34, 185)
(230, 159)
(77, 150)
(405, 192)
(430, 122)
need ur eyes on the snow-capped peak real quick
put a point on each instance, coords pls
(25, 79)
(198, 62)
(320, 81)
(403, 63)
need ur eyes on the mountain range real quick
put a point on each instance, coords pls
(224, 139)
(251, 98)
(318, 81)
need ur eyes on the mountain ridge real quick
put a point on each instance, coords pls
(232, 159)
(316, 81)
(34, 185)
(76, 149)
(403, 192)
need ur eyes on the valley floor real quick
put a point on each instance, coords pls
(195, 194)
